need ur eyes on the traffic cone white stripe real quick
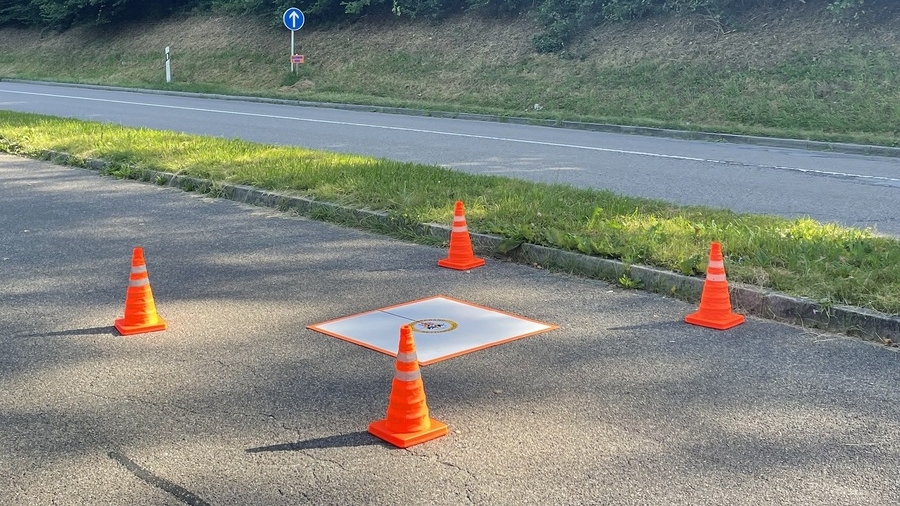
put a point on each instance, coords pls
(407, 357)
(408, 375)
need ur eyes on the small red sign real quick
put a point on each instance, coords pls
(297, 58)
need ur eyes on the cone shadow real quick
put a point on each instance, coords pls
(92, 331)
(349, 440)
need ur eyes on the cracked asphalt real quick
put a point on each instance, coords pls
(237, 403)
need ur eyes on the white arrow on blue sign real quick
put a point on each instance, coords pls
(293, 19)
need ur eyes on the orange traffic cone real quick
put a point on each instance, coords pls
(461, 256)
(140, 310)
(407, 421)
(715, 301)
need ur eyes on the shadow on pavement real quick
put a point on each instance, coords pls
(93, 331)
(361, 438)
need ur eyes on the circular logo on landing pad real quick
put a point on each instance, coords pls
(434, 325)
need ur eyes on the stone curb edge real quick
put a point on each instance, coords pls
(853, 321)
(836, 147)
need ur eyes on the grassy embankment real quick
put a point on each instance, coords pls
(791, 72)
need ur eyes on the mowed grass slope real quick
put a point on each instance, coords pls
(790, 72)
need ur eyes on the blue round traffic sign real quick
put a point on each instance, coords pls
(293, 19)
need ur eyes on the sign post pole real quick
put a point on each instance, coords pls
(293, 19)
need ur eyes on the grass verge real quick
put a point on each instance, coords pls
(824, 262)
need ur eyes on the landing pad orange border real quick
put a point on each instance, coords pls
(444, 327)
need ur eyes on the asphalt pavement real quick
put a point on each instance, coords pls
(238, 403)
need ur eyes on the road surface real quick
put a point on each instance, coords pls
(854, 190)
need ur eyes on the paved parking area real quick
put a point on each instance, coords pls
(239, 403)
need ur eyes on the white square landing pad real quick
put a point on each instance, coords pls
(443, 328)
